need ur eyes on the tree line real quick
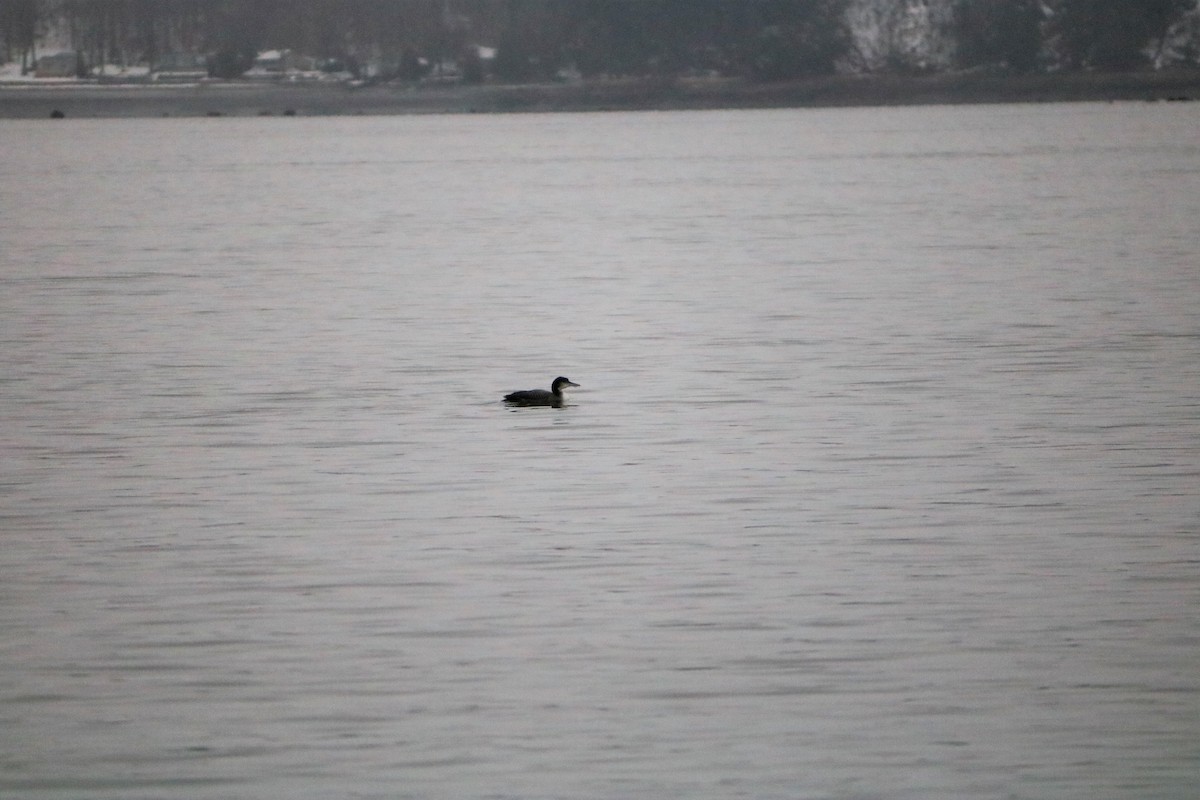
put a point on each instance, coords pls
(536, 39)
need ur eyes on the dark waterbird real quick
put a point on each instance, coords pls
(541, 397)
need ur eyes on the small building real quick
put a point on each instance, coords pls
(272, 61)
(67, 64)
(180, 68)
(278, 64)
(117, 73)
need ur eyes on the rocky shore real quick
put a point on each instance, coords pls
(78, 100)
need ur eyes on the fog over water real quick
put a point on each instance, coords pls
(881, 481)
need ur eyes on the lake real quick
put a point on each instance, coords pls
(881, 481)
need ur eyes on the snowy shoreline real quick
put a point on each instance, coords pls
(38, 99)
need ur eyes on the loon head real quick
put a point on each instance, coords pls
(561, 383)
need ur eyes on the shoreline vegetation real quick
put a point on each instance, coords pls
(244, 99)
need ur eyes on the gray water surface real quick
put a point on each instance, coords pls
(881, 482)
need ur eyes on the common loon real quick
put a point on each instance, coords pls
(540, 397)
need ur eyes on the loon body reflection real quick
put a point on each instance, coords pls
(541, 397)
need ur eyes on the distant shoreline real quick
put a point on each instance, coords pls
(238, 99)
